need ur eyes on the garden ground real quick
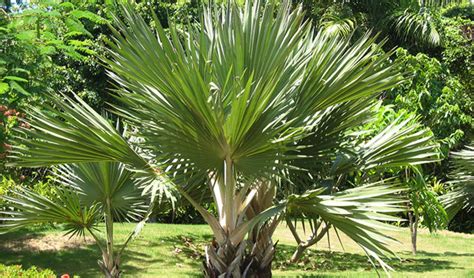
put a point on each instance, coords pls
(166, 250)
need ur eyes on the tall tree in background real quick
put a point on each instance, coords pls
(411, 21)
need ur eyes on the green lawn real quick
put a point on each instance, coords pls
(164, 250)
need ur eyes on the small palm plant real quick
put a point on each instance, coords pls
(91, 194)
(239, 103)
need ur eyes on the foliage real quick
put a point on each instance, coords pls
(436, 95)
(425, 204)
(37, 184)
(235, 123)
(52, 46)
(461, 194)
(13, 271)
(92, 193)
(464, 11)
(421, 193)
(43, 48)
(411, 24)
(178, 13)
(458, 49)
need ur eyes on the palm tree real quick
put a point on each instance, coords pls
(411, 21)
(232, 102)
(91, 193)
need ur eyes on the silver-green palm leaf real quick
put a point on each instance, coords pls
(461, 194)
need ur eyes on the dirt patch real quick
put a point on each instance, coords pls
(53, 242)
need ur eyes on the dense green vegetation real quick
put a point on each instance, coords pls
(293, 121)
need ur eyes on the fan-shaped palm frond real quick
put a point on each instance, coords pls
(335, 25)
(91, 193)
(417, 26)
(355, 212)
(27, 208)
(70, 131)
(98, 183)
(461, 195)
(402, 143)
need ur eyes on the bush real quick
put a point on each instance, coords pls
(435, 94)
(14, 271)
(465, 11)
(458, 49)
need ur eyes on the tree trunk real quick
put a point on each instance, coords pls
(251, 257)
(110, 271)
(224, 260)
(298, 254)
(109, 264)
(413, 223)
(262, 247)
(303, 245)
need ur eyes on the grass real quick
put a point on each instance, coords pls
(165, 250)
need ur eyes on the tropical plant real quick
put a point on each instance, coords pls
(232, 104)
(461, 194)
(458, 48)
(356, 167)
(12, 271)
(438, 97)
(424, 206)
(91, 193)
(412, 23)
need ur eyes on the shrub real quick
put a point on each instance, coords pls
(432, 92)
(14, 271)
(458, 49)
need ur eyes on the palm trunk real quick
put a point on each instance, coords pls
(413, 223)
(230, 254)
(259, 260)
(314, 238)
(109, 264)
(231, 257)
(224, 257)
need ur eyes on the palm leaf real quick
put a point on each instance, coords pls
(357, 212)
(96, 183)
(417, 26)
(27, 207)
(69, 132)
(461, 194)
(402, 143)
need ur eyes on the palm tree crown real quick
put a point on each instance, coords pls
(238, 102)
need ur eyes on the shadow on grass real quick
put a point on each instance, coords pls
(444, 254)
(32, 232)
(79, 260)
(164, 253)
(324, 260)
